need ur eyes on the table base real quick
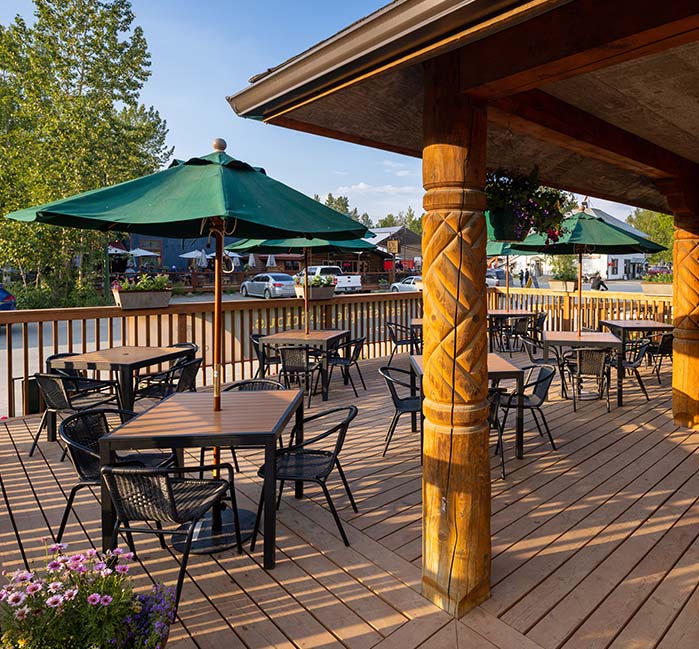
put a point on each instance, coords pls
(207, 540)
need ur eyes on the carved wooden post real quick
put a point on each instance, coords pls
(683, 198)
(456, 469)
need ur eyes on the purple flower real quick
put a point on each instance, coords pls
(54, 566)
(54, 601)
(55, 586)
(106, 572)
(100, 565)
(57, 547)
(33, 588)
(93, 599)
(122, 570)
(21, 613)
(16, 599)
(105, 600)
(70, 594)
(22, 576)
(117, 551)
(77, 558)
(128, 556)
(91, 553)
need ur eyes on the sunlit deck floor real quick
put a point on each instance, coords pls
(594, 545)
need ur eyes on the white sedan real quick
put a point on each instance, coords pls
(412, 283)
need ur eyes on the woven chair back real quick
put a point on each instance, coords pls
(140, 494)
(255, 385)
(591, 362)
(294, 359)
(54, 391)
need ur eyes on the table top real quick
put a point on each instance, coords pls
(509, 313)
(496, 365)
(582, 339)
(314, 335)
(114, 357)
(638, 325)
(188, 419)
(416, 322)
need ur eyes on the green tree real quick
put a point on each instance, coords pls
(70, 120)
(342, 204)
(412, 221)
(659, 228)
(388, 221)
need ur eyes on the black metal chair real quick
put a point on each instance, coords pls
(249, 385)
(264, 357)
(591, 365)
(657, 351)
(300, 462)
(534, 393)
(401, 336)
(513, 332)
(60, 396)
(81, 433)
(153, 494)
(181, 377)
(80, 383)
(634, 355)
(403, 404)
(494, 423)
(297, 362)
(536, 326)
(345, 356)
(162, 375)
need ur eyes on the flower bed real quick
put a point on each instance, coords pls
(82, 601)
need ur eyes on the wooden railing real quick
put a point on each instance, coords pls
(30, 336)
(563, 307)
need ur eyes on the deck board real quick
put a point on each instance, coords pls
(595, 544)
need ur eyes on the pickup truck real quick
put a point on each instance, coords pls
(343, 283)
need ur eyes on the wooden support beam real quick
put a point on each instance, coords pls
(456, 483)
(576, 38)
(683, 196)
(544, 117)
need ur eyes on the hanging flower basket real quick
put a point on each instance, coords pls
(504, 224)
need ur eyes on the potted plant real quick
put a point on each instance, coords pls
(564, 275)
(657, 283)
(83, 600)
(145, 293)
(320, 287)
(518, 204)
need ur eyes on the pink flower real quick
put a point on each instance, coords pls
(21, 613)
(3, 595)
(77, 558)
(33, 588)
(54, 566)
(117, 551)
(81, 569)
(16, 599)
(128, 556)
(57, 547)
(54, 601)
(122, 570)
(93, 599)
(55, 586)
(106, 572)
(105, 600)
(70, 594)
(22, 576)
(91, 553)
(100, 565)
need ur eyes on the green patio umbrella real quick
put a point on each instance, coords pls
(495, 248)
(214, 194)
(296, 244)
(585, 232)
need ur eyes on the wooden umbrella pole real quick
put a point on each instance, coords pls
(507, 279)
(305, 290)
(217, 232)
(579, 293)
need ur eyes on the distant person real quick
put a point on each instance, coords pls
(521, 278)
(526, 277)
(597, 283)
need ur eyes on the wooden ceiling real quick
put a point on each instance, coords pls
(602, 96)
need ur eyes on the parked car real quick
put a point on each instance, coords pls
(269, 285)
(495, 277)
(344, 283)
(412, 283)
(7, 300)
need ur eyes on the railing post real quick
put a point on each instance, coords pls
(566, 322)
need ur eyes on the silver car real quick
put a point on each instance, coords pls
(269, 285)
(412, 283)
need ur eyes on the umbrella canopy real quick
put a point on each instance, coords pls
(251, 261)
(140, 252)
(113, 250)
(299, 244)
(271, 261)
(214, 194)
(192, 254)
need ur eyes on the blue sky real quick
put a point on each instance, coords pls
(204, 50)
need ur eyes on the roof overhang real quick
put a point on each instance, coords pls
(602, 96)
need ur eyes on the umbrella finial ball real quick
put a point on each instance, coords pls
(219, 144)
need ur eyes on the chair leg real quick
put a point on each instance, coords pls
(183, 563)
(536, 422)
(334, 512)
(391, 430)
(390, 358)
(656, 369)
(66, 512)
(347, 487)
(349, 376)
(236, 521)
(42, 423)
(115, 532)
(281, 489)
(235, 460)
(361, 378)
(161, 537)
(260, 505)
(640, 382)
(546, 426)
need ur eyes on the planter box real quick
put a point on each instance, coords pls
(561, 285)
(142, 299)
(316, 292)
(654, 288)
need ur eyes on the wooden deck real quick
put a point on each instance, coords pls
(594, 545)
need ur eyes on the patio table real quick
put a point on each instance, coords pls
(123, 360)
(498, 368)
(495, 315)
(623, 328)
(321, 339)
(187, 420)
(589, 339)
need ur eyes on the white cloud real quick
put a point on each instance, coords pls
(340, 173)
(366, 188)
(403, 172)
